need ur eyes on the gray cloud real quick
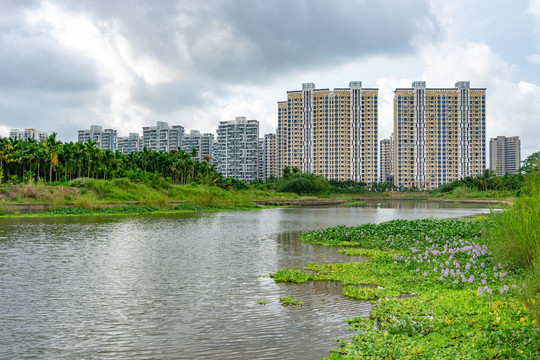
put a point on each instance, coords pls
(209, 47)
(250, 40)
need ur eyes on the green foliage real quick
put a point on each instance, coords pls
(262, 302)
(287, 301)
(291, 276)
(303, 184)
(438, 291)
(516, 238)
(127, 209)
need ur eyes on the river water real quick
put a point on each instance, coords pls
(178, 286)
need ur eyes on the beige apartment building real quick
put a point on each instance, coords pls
(440, 134)
(386, 171)
(504, 154)
(269, 157)
(332, 133)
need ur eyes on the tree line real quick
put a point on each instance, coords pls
(52, 160)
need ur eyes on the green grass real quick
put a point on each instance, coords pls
(438, 291)
(93, 194)
(516, 240)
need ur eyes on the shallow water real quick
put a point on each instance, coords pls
(179, 286)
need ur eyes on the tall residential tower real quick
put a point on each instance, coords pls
(440, 134)
(504, 154)
(237, 149)
(332, 133)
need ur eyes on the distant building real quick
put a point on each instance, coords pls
(505, 154)
(202, 143)
(162, 137)
(386, 171)
(332, 133)
(129, 144)
(105, 139)
(269, 157)
(28, 134)
(236, 151)
(261, 174)
(440, 134)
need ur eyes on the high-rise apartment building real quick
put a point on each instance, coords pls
(440, 134)
(202, 143)
(129, 144)
(386, 172)
(504, 155)
(28, 134)
(332, 133)
(105, 139)
(162, 137)
(237, 149)
(269, 157)
(260, 150)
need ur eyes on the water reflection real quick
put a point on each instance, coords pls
(175, 286)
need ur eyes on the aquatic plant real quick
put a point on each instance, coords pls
(286, 301)
(437, 288)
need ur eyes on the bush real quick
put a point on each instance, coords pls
(303, 184)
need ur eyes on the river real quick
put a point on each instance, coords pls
(178, 286)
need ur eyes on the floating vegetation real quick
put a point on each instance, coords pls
(126, 209)
(438, 291)
(286, 301)
(262, 302)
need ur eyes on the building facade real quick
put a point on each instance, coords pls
(162, 137)
(203, 144)
(28, 134)
(440, 134)
(105, 139)
(386, 171)
(129, 144)
(237, 149)
(332, 133)
(504, 155)
(269, 157)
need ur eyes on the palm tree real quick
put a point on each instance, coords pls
(52, 146)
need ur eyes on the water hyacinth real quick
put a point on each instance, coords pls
(452, 261)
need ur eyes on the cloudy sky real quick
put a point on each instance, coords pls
(126, 64)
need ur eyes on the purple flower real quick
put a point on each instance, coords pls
(495, 274)
(480, 291)
(417, 270)
(506, 287)
(482, 264)
(501, 291)
(500, 267)
(395, 257)
(456, 281)
(425, 273)
(395, 262)
(514, 286)
(434, 269)
(471, 279)
(494, 268)
(483, 281)
(489, 291)
(441, 278)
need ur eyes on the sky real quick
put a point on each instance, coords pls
(66, 65)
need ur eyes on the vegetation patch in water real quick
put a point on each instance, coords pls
(438, 291)
(287, 301)
(126, 209)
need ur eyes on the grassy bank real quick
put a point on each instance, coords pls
(84, 196)
(439, 291)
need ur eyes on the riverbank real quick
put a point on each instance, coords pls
(97, 195)
(437, 288)
(101, 196)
